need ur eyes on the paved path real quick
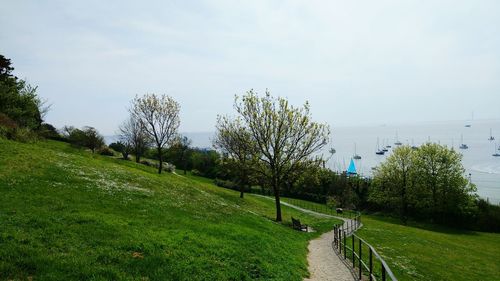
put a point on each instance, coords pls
(324, 262)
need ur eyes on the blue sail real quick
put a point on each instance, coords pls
(352, 168)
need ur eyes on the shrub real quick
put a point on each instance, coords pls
(106, 151)
(24, 135)
(226, 184)
(49, 132)
(4, 132)
(147, 163)
(168, 167)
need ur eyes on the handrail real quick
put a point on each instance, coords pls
(347, 229)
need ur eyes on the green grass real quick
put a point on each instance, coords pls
(420, 251)
(66, 214)
(430, 252)
(319, 208)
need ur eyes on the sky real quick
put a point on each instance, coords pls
(356, 62)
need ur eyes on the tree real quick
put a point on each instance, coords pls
(429, 180)
(442, 186)
(236, 142)
(394, 181)
(133, 135)
(18, 99)
(285, 137)
(88, 137)
(181, 146)
(121, 147)
(159, 116)
(93, 140)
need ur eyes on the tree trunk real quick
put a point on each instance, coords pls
(160, 158)
(404, 204)
(276, 189)
(137, 156)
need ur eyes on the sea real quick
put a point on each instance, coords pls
(481, 166)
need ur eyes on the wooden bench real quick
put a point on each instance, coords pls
(297, 225)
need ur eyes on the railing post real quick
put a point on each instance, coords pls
(345, 255)
(335, 236)
(353, 250)
(360, 259)
(371, 264)
(383, 273)
(338, 237)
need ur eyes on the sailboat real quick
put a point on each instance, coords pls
(385, 148)
(352, 168)
(355, 156)
(496, 153)
(472, 119)
(463, 145)
(379, 151)
(491, 138)
(413, 146)
(397, 140)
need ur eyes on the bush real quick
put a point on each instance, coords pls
(225, 184)
(24, 135)
(168, 167)
(147, 163)
(106, 151)
(4, 132)
(7, 126)
(50, 132)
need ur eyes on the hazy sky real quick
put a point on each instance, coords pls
(357, 62)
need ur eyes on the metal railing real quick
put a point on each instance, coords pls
(372, 265)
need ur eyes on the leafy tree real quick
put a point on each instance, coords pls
(205, 162)
(18, 99)
(159, 115)
(442, 187)
(285, 136)
(394, 180)
(133, 136)
(181, 147)
(236, 143)
(124, 149)
(430, 181)
(87, 137)
(93, 140)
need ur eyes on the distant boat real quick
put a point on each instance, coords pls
(355, 156)
(491, 138)
(463, 145)
(412, 145)
(385, 147)
(352, 168)
(496, 153)
(379, 151)
(397, 140)
(471, 119)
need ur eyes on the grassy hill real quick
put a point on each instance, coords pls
(420, 251)
(67, 214)
(429, 252)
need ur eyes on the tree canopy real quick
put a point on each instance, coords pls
(159, 116)
(285, 137)
(427, 182)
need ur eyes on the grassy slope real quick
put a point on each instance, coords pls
(430, 252)
(427, 252)
(67, 214)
